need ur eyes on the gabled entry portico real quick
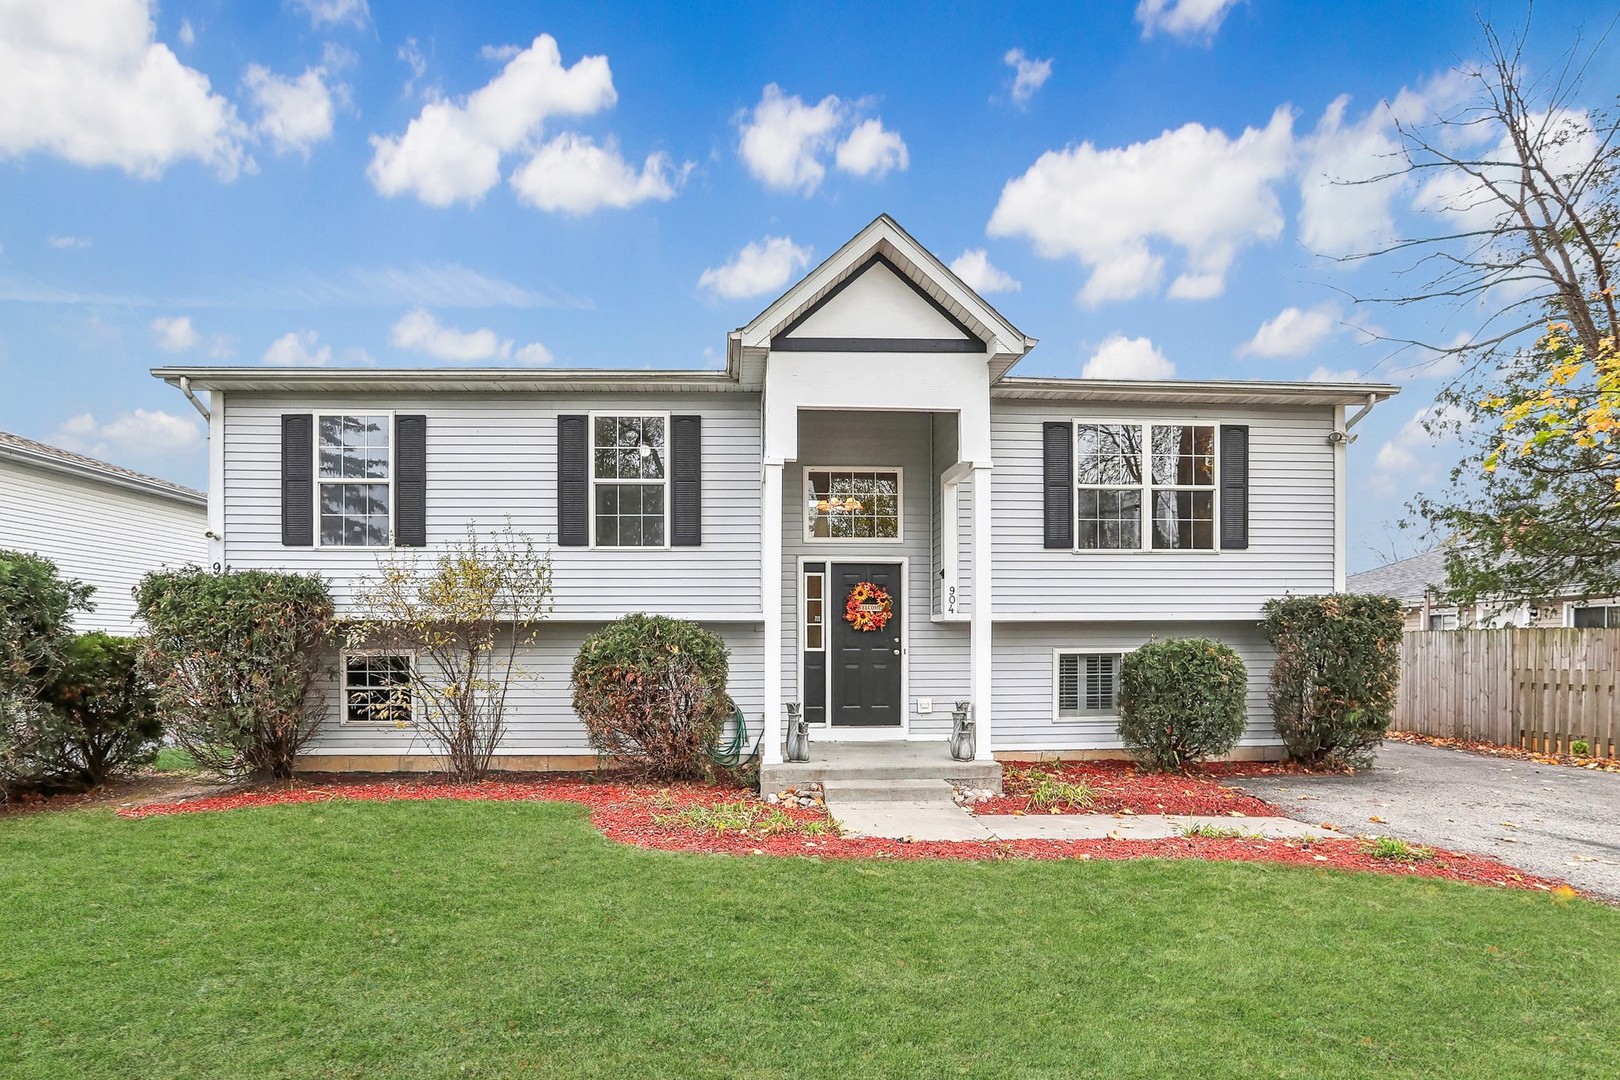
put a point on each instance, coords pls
(879, 353)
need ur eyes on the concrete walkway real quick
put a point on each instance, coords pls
(1549, 819)
(944, 820)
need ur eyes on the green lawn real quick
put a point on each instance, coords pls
(498, 939)
(172, 759)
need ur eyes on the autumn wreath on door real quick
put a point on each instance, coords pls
(869, 607)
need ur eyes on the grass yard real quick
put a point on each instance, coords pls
(438, 939)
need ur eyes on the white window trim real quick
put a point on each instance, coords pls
(950, 541)
(804, 609)
(1057, 655)
(343, 690)
(1147, 487)
(1570, 607)
(590, 449)
(854, 541)
(315, 450)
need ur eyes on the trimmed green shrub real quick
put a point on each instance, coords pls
(98, 714)
(652, 693)
(1333, 684)
(234, 657)
(36, 613)
(1182, 700)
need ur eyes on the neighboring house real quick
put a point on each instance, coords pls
(1419, 580)
(99, 523)
(866, 429)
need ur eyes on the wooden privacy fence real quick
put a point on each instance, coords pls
(1538, 689)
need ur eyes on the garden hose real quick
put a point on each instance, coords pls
(730, 755)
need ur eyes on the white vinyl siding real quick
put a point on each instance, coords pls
(102, 534)
(1026, 688)
(492, 460)
(1291, 511)
(540, 717)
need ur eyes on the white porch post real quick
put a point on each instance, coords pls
(770, 597)
(980, 615)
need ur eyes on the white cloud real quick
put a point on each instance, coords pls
(91, 84)
(1192, 188)
(1326, 374)
(294, 114)
(571, 174)
(68, 243)
(175, 334)
(871, 150)
(762, 266)
(1120, 357)
(1351, 170)
(1293, 331)
(977, 273)
(355, 13)
(419, 331)
(188, 33)
(143, 433)
(299, 348)
(783, 139)
(1184, 19)
(451, 152)
(410, 54)
(785, 143)
(1029, 75)
(1402, 457)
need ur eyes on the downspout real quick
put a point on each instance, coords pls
(184, 383)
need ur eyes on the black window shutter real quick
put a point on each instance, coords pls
(1234, 487)
(1058, 483)
(686, 480)
(297, 480)
(410, 481)
(573, 481)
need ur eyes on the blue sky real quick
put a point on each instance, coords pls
(1137, 185)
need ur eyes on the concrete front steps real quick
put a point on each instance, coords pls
(881, 772)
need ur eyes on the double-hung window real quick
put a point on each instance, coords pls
(1088, 685)
(1596, 616)
(354, 456)
(1144, 486)
(629, 480)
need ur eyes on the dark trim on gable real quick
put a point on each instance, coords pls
(973, 344)
(876, 344)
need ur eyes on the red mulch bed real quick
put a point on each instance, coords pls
(1123, 787)
(624, 812)
(1518, 753)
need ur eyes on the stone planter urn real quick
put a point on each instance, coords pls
(798, 733)
(963, 745)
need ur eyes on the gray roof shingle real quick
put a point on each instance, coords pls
(1405, 580)
(18, 448)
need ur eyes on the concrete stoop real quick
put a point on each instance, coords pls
(881, 772)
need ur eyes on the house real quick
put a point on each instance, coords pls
(99, 523)
(1418, 583)
(867, 430)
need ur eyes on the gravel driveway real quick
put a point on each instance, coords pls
(1551, 820)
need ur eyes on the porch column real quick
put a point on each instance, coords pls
(770, 597)
(980, 615)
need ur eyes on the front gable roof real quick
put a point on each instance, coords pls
(930, 308)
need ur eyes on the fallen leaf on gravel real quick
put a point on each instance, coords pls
(1376, 820)
(1510, 825)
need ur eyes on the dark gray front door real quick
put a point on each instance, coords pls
(866, 663)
